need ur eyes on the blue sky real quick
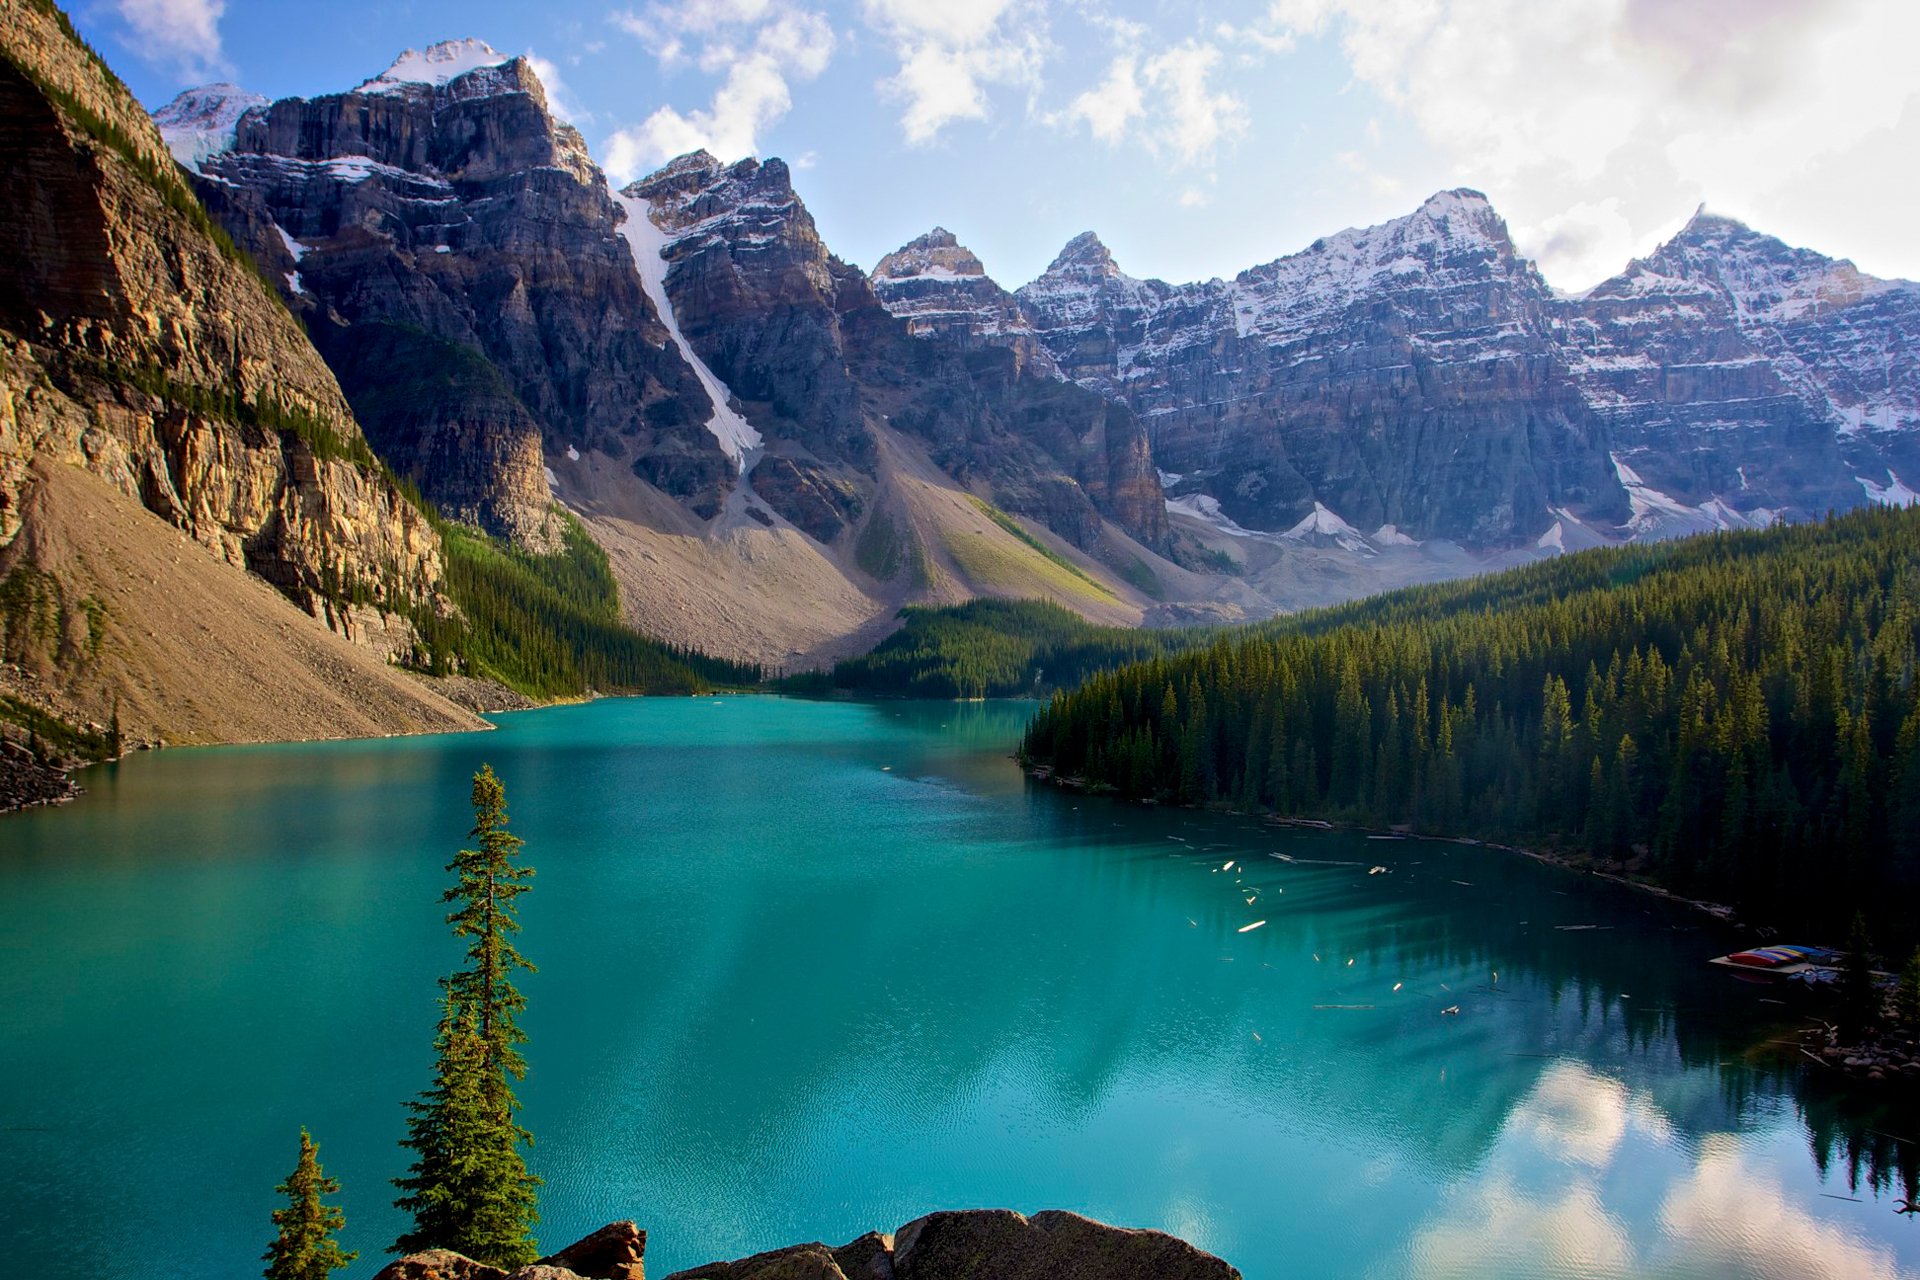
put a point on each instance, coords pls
(1196, 138)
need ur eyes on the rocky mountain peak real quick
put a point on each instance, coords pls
(1084, 255)
(200, 122)
(1765, 279)
(436, 65)
(936, 255)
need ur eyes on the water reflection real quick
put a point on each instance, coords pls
(1559, 1190)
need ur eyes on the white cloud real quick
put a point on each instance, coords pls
(759, 46)
(1167, 103)
(1191, 121)
(1539, 1202)
(1654, 105)
(952, 52)
(559, 97)
(181, 34)
(1110, 107)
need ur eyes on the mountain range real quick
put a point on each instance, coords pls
(778, 449)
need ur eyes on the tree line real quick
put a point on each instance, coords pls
(1735, 716)
(994, 649)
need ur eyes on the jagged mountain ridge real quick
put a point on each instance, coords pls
(1421, 375)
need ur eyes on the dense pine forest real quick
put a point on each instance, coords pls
(1734, 715)
(996, 649)
(549, 625)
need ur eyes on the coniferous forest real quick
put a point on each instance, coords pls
(550, 625)
(1735, 716)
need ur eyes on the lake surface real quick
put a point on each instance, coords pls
(809, 969)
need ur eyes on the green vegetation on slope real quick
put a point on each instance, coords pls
(999, 649)
(549, 625)
(1736, 715)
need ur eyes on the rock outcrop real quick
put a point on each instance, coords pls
(942, 291)
(137, 346)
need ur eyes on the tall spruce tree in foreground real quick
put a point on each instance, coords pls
(305, 1248)
(468, 1188)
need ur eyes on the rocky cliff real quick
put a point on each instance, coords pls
(1398, 377)
(1743, 381)
(139, 346)
(455, 251)
(1417, 380)
(821, 358)
(978, 1244)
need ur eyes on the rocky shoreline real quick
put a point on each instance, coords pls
(967, 1244)
(26, 781)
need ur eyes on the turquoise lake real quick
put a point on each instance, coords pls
(809, 969)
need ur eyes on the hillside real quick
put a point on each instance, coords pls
(1735, 716)
(156, 392)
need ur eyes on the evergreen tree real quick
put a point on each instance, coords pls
(1859, 1001)
(305, 1248)
(468, 1188)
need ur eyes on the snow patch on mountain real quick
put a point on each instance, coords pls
(1206, 508)
(199, 124)
(1660, 515)
(738, 438)
(435, 65)
(1894, 493)
(1322, 525)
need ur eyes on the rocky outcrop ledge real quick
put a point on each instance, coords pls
(972, 1244)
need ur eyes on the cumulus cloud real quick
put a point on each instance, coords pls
(1167, 102)
(183, 35)
(953, 52)
(758, 47)
(1110, 107)
(1656, 105)
(1193, 119)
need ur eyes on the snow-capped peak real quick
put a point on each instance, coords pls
(199, 124)
(436, 65)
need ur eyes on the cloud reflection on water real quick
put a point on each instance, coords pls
(1552, 1198)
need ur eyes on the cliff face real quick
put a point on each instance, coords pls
(457, 255)
(1743, 381)
(139, 349)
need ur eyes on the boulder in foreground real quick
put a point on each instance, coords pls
(968, 1244)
